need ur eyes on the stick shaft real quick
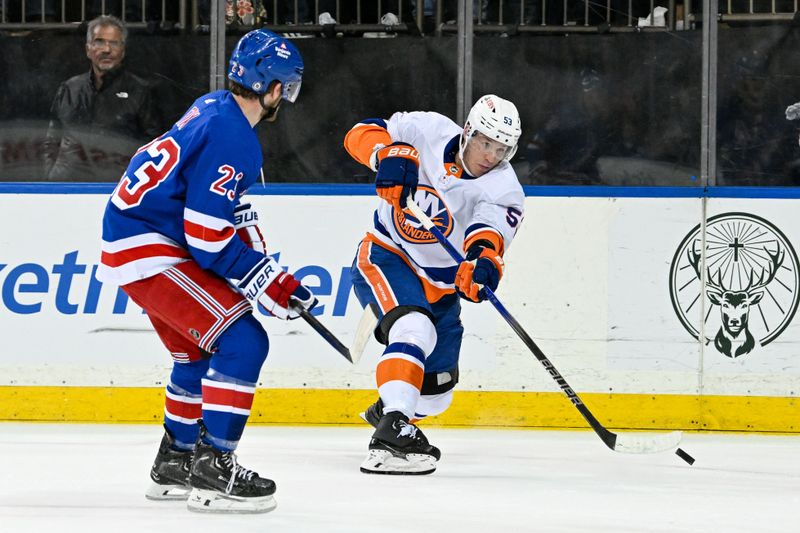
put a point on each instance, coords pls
(324, 332)
(607, 436)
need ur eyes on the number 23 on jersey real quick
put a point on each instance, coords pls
(161, 156)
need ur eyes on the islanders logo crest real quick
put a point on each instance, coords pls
(410, 229)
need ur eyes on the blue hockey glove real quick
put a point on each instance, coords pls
(398, 173)
(482, 267)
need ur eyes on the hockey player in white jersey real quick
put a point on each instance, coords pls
(461, 177)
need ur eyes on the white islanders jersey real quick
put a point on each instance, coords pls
(466, 209)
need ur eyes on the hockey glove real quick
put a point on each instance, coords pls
(246, 226)
(482, 267)
(398, 173)
(267, 284)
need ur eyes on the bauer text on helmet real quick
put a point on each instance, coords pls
(262, 57)
(496, 119)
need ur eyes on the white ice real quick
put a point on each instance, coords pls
(86, 478)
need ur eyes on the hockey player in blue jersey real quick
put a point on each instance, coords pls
(181, 244)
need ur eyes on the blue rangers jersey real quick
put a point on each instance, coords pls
(176, 200)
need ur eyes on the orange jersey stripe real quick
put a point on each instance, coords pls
(432, 292)
(490, 236)
(399, 370)
(361, 140)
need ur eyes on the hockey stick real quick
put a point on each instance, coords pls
(324, 332)
(364, 330)
(627, 443)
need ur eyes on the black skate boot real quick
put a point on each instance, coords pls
(170, 472)
(372, 415)
(399, 447)
(221, 485)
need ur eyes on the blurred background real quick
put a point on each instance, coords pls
(611, 92)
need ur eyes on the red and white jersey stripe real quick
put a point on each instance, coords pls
(207, 233)
(138, 257)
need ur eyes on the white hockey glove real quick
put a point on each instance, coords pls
(246, 226)
(278, 291)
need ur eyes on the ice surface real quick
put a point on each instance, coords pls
(70, 477)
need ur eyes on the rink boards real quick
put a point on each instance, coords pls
(657, 320)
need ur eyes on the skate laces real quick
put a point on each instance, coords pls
(407, 430)
(237, 471)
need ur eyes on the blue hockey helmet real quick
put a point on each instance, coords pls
(261, 57)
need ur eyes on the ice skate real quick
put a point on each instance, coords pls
(399, 447)
(170, 472)
(372, 414)
(221, 485)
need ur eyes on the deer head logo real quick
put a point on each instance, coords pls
(734, 338)
(737, 285)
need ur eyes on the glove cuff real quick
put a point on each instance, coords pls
(244, 216)
(494, 257)
(259, 278)
(398, 149)
(373, 158)
(480, 250)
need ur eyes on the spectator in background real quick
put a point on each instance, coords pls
(751, 135)
(100, 117)
(565, 149)
(793, 113)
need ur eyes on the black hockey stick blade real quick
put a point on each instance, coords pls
(324, 332)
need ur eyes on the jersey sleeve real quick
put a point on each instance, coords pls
(370, 135)
(214, 180)
(496, 219)
(365, 138)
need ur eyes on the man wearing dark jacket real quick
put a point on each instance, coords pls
(99, 118)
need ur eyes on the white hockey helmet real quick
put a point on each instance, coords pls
(496, 118)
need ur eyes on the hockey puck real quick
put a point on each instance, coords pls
(685, 456)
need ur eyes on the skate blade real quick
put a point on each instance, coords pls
(158, 492)
(383, 462)
(209, 501)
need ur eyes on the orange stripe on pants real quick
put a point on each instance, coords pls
(432, 292)
(373, 275)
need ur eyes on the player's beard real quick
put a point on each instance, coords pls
(270, 114)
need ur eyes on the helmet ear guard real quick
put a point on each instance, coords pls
(261, 57)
